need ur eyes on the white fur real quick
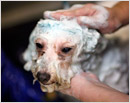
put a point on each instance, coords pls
(84, 39)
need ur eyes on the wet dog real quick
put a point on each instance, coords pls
(60, 49)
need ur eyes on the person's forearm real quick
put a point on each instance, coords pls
(102, 93)
(87, 88)
(121, 10)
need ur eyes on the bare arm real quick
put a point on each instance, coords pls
(121, 10)
(87, 88)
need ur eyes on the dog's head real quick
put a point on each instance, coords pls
(56, 51)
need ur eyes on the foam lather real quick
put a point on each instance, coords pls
(83, 39)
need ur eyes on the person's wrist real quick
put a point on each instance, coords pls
(121, 11)
(114, 21)
(117, 15)
(85, 86)
(77, 87)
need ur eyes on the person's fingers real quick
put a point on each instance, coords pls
(53, 14)
(79, 80)
(68, 13)
(72, 12)
(92, 22)
(66, 91)
(57, 15)
(47, 14)
(87, 21)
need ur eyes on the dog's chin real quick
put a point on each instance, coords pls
(51, 87)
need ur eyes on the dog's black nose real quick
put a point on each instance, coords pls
(43, 77)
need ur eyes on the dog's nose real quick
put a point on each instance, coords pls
(43, 77)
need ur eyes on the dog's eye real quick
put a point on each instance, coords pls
(39, 45)
(66, 50)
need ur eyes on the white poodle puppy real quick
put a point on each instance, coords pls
(60, 49)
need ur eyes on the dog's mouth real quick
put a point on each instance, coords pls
(55, 86)
(50, 87)
(48, 84)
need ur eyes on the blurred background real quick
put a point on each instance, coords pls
(18, 18)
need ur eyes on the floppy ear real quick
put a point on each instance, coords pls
(90, 39)
(102, 44)
(30, 53)
(27, 56)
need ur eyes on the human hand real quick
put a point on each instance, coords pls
(91, 15)
(79, 82)
(88, 88)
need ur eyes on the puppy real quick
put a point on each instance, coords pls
(59, 49)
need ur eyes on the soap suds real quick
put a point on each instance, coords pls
(83, 38)
(98, 20)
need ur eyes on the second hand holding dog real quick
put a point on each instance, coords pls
(87, 87)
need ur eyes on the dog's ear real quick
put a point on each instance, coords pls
(90, 40)
(101, 45)
(27, 54)
(27, 58)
